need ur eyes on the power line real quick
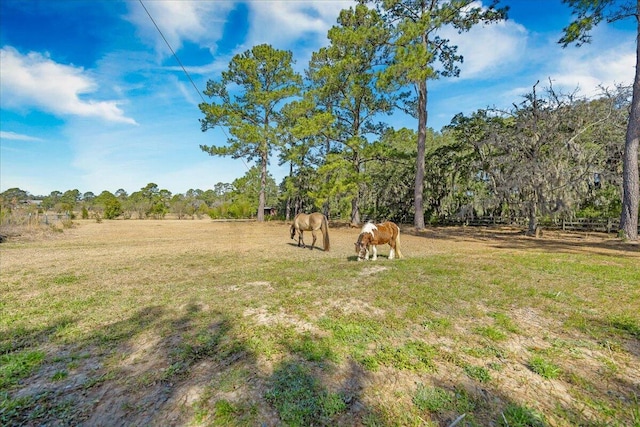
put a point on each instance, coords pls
(183, 68)
(173, 52)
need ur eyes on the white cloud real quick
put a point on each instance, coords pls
(608, 61)
(290, 19)
(200, 22)
(299, 26)
(489, 49)
(35, 80)
(285, 24)
(18, 137)
(587, 69)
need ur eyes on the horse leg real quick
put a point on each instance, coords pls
(392, 253)
(375, 253)
(313, 233)
(300, 239)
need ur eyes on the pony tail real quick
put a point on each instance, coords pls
(325, 233)
(398, 253)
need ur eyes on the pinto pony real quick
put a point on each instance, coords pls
(311, 222)
(378, 234)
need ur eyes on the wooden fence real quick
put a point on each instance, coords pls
(605, 225)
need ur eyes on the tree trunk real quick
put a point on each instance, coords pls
(355, 201)
(630, 177)
(533, 220)
(287, 213)
(263, 186)
(287, 210)
(418, 219)
(355, 211)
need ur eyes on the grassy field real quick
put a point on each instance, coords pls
(229, 323)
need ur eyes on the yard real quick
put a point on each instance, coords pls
(199, 322)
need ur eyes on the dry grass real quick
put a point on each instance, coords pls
(229, 323)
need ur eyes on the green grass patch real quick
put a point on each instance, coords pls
(314, 349)
(19, 365)
(486, 351)
(439, 324)
(352, 335)
(300, 399)
(438, 400)
(59, 375)
(521, 416)
(626, 323)
(505, 322)
(36, 410)
(352, 331)
(433, 399)
(478, 373)
(413, 356)
(228, 413)
(544, 367)
(65, 279)
(491, 333)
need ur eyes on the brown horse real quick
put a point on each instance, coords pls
(378, 234)
(311, 222)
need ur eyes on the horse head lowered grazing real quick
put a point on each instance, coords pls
(311, 222)
(372, 235)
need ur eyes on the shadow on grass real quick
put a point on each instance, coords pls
(148, 369)
(21, 337)
(196, 367)
(154, 368)
(509, 238)
(476, 404)
(301, 399)
(595, 394)
(308, 247)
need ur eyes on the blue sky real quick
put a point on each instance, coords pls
(92, 98)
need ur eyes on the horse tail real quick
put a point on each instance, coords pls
(398, 253)
(325, 233)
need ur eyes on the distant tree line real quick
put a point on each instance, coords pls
(235, 200)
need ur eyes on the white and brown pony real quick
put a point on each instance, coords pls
(372, 235)
(311, 222)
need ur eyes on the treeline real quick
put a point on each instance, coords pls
(552, 156)
(235, 200)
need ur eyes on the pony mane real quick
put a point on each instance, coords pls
(368, 228)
